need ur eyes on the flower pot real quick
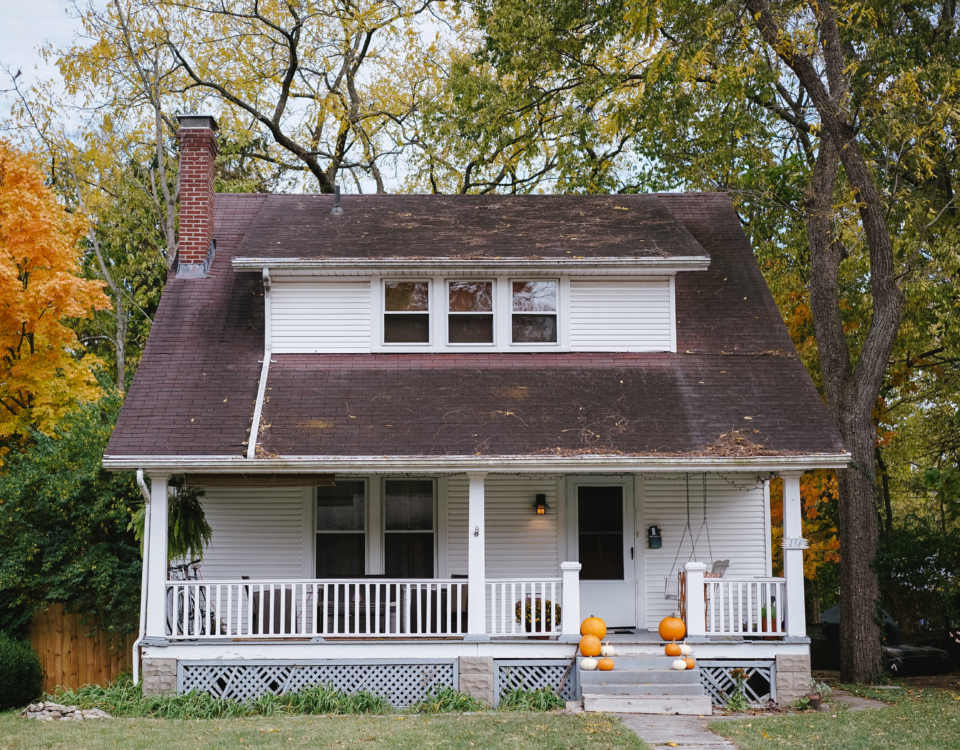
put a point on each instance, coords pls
(815, 701)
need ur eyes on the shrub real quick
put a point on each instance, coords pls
(21, 675)
(537, 615)
(541, 699)
(443, 700)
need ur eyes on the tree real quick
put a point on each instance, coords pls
(43, 371)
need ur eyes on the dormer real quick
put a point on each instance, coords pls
(469, 273)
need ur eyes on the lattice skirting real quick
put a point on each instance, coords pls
(402, 682)
(531, 674)
(761, 684)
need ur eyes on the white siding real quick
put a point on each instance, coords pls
(519, 542)
(310, 317)
(735, 518)
(620, 316)
(257, 532)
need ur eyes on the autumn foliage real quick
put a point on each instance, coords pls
(43, 372)
(819, 497)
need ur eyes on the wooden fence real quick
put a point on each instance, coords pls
(70, 657)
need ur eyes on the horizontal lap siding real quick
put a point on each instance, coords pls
(311, 317)
(735, 518)
(256, 533)
(520, 544)
(618, 316)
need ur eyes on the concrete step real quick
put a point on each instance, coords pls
(641, 661)
(640, 677)
(653, 689)
(687, 705)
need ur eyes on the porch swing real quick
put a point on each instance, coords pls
(671, 588)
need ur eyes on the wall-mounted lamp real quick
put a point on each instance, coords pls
(541, 505)
(654, 540)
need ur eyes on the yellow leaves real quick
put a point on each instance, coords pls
(44, 372)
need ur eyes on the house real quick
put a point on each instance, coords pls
(425, 421)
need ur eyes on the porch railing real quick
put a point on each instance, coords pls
(345, 608)
(518, 606)
(735, 606)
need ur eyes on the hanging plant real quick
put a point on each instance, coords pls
(188, 533)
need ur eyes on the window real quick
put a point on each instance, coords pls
(341, 531)
(534, 310)
(406, 317)
(408, 532)
(600, 519)
(470, 317)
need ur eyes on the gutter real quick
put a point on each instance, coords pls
(141, 634)
(355, 266)
(593, 463)
(265, 370)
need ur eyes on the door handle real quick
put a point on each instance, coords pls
(631, 553)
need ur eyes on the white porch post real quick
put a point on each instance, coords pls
(696, 604)
(570, 608)
(157, 573)
(793, 555)
(476, 559)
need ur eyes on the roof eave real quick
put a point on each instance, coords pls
(458, 464)
(606, 265)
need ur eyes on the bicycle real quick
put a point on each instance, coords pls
(189, 602)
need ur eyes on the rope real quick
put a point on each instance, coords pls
(684, 535)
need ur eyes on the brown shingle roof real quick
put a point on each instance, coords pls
(195, 389)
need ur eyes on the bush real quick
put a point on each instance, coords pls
(444, 700)
(21, 675)
(122, 699)
(542, 699)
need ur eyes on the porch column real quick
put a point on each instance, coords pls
(793, 546)
(476, 559)
(696, 604)
(570, 610)
(157, 573)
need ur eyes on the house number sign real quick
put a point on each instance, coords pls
(795, 542)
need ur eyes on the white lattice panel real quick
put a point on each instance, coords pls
(532, 675)
(401, 684)
(759, 687)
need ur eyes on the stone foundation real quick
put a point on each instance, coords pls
(793, 678)
(476, 678)
(159, 676)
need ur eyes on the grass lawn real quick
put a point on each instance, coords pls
(417, 732)
(917, 719)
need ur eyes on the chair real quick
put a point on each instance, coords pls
(719, 569)
(282, 623)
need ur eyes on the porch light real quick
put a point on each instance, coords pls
(541, 505)
(654, 540)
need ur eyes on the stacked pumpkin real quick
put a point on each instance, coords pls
(593, 630)
(673, 629)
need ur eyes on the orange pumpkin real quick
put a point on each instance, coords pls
(590, 645)
(605, 665)
(672, 629)
(672, 649)
(690, 662)
(594, 626)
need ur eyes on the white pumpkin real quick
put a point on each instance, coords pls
(590, 665)
(608, 651)
(685, 650)
(679, 664)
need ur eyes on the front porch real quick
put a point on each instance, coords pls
(238, 635)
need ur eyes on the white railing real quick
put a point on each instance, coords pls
(520, 607)
(745, 606)
(343, 608)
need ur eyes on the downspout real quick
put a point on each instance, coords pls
(144, 490)
(265, 370)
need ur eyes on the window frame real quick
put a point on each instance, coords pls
(383, 520)
(315, 521)
(555, 313)
(431, 304)
(494, 314)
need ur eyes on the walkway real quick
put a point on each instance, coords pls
(686, 731)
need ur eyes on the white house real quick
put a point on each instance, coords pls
(418, 418)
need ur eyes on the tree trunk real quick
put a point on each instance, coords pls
(120, 342)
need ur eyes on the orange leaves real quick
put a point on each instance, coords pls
(819, 495)
(42, 368)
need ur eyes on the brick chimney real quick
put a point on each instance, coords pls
(198, 149)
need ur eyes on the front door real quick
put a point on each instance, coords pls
(606, 545)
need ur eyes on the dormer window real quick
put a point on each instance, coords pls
(470, 312)
(534, 312)
(406, 317)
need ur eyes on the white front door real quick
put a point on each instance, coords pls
(606, 546)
